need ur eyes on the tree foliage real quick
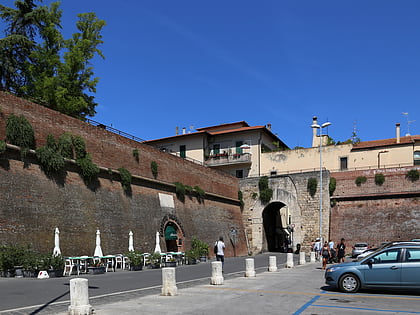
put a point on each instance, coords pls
(37, 63)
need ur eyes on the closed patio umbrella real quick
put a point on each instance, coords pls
(157, 247)
(130, 242)
(98, 249)
(56, 251)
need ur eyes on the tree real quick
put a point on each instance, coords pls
(53, 72)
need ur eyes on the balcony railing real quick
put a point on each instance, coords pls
(227, 159)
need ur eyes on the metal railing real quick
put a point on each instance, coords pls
(228, 159)
(113, 130)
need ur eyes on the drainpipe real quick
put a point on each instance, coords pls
(259, 155)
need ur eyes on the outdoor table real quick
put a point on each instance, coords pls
(81, 263)
(110, 261)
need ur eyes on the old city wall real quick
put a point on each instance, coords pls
(375, 213)
(32, 204)
(291, 192)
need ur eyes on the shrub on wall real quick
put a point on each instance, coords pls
(312, 186)
(125, 179)
(200, 193)
(180, 191)
(136, 154)
(188, 189)
(88, 170)
(412, 175)
(360, 180)
(154, 168)
(241, 198)
(20, 132)
(266, 193)
(65, 145)
(332, 186)
(2, 146)
(379, 179)
(79, 146)
(50, 160)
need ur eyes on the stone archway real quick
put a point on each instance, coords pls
(275, 223)
(173, 233)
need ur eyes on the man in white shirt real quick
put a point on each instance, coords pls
(220, 256)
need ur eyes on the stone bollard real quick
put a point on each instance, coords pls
(249, 267)
(168, 282)
(289, 262)
(79, 297)
(272, 263)
(216, 273)
(312, 257)
(302, 258)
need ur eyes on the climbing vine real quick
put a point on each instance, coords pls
(20, 132)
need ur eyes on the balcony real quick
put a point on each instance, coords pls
(228, 159)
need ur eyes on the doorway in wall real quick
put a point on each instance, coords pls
(275, 227)
(171, 237)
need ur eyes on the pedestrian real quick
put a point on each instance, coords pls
(331, 244)
(325, 253)
(220, 255)
(341, 251)
(317, 248)
(332, 252)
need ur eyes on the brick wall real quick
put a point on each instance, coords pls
(372, 213)
(32, 204)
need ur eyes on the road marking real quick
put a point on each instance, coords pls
(305, 306)
(365, 309)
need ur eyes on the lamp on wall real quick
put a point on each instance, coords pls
(320, 127)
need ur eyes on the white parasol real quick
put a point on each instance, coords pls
(130, 242)
(98, 249)
(56, 251)
(157, 247)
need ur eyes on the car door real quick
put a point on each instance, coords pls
(410, 274)
(383, 269)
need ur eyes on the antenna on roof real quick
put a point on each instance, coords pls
(408, 123)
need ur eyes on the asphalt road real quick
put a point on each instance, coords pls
(49, 296)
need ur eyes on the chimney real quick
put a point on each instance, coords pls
(269, 127)
(398, 131)
(315, 141)
(184, 130)
(176, 130)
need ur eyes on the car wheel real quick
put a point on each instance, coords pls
(349, 283)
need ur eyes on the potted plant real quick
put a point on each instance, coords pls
(56, 266)
(170, 262)
(190, 257)
(154, 260)
(136, 260)
(97, 267)
(200, 248)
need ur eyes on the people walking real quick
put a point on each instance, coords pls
(220, 255)
(317, 248)
(325, 253)
(341, 251)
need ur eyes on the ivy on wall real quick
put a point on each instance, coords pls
(20, 133)
(312, 186)
(125, 179)
(266, 193)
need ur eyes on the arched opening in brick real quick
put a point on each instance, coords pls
(275, 221)
(173, 237)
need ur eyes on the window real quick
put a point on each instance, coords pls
(216, 148)
(416, 157)
(183, 151)
(238, 144)
(240, 173)
(273, 173)
(412, 255)
(343, 163)
(387, 257)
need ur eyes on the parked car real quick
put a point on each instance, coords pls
(394, 267)
(359, 248)
(384, 245)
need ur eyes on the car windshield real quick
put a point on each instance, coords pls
(360, 245)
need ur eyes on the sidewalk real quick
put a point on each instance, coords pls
(282, 292)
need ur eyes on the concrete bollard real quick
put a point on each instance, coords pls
(79, 297)
(216, 273)
(272, 263)
(312, 257)
(249, 267)
(168, 282)
(302, 258)
(289, 262)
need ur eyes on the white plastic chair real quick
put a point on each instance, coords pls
(68, 266)
(119, 261)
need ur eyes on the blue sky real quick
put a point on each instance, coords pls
(201, 63)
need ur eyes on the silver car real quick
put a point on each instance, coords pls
(359, 248)
(395, 267)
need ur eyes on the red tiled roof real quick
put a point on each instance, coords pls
(385, 142)
(225, 126)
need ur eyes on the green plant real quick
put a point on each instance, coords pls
(154, 259)
(188, 189)
(180, 191)
(20, 132)
(57, 262)
(254, 195)
(50, 160)
(88, 169)
(360, 180)
(266, 193)
(65, 145)
(125, 179)
(136, 154)
(200, 193)
(312, 186)
(154, 168)
(379, 179)
(412, 175)
(2, 146)
(79, 146)
(332, 186)
(241, 199)
(199, 247)
(135, 258)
